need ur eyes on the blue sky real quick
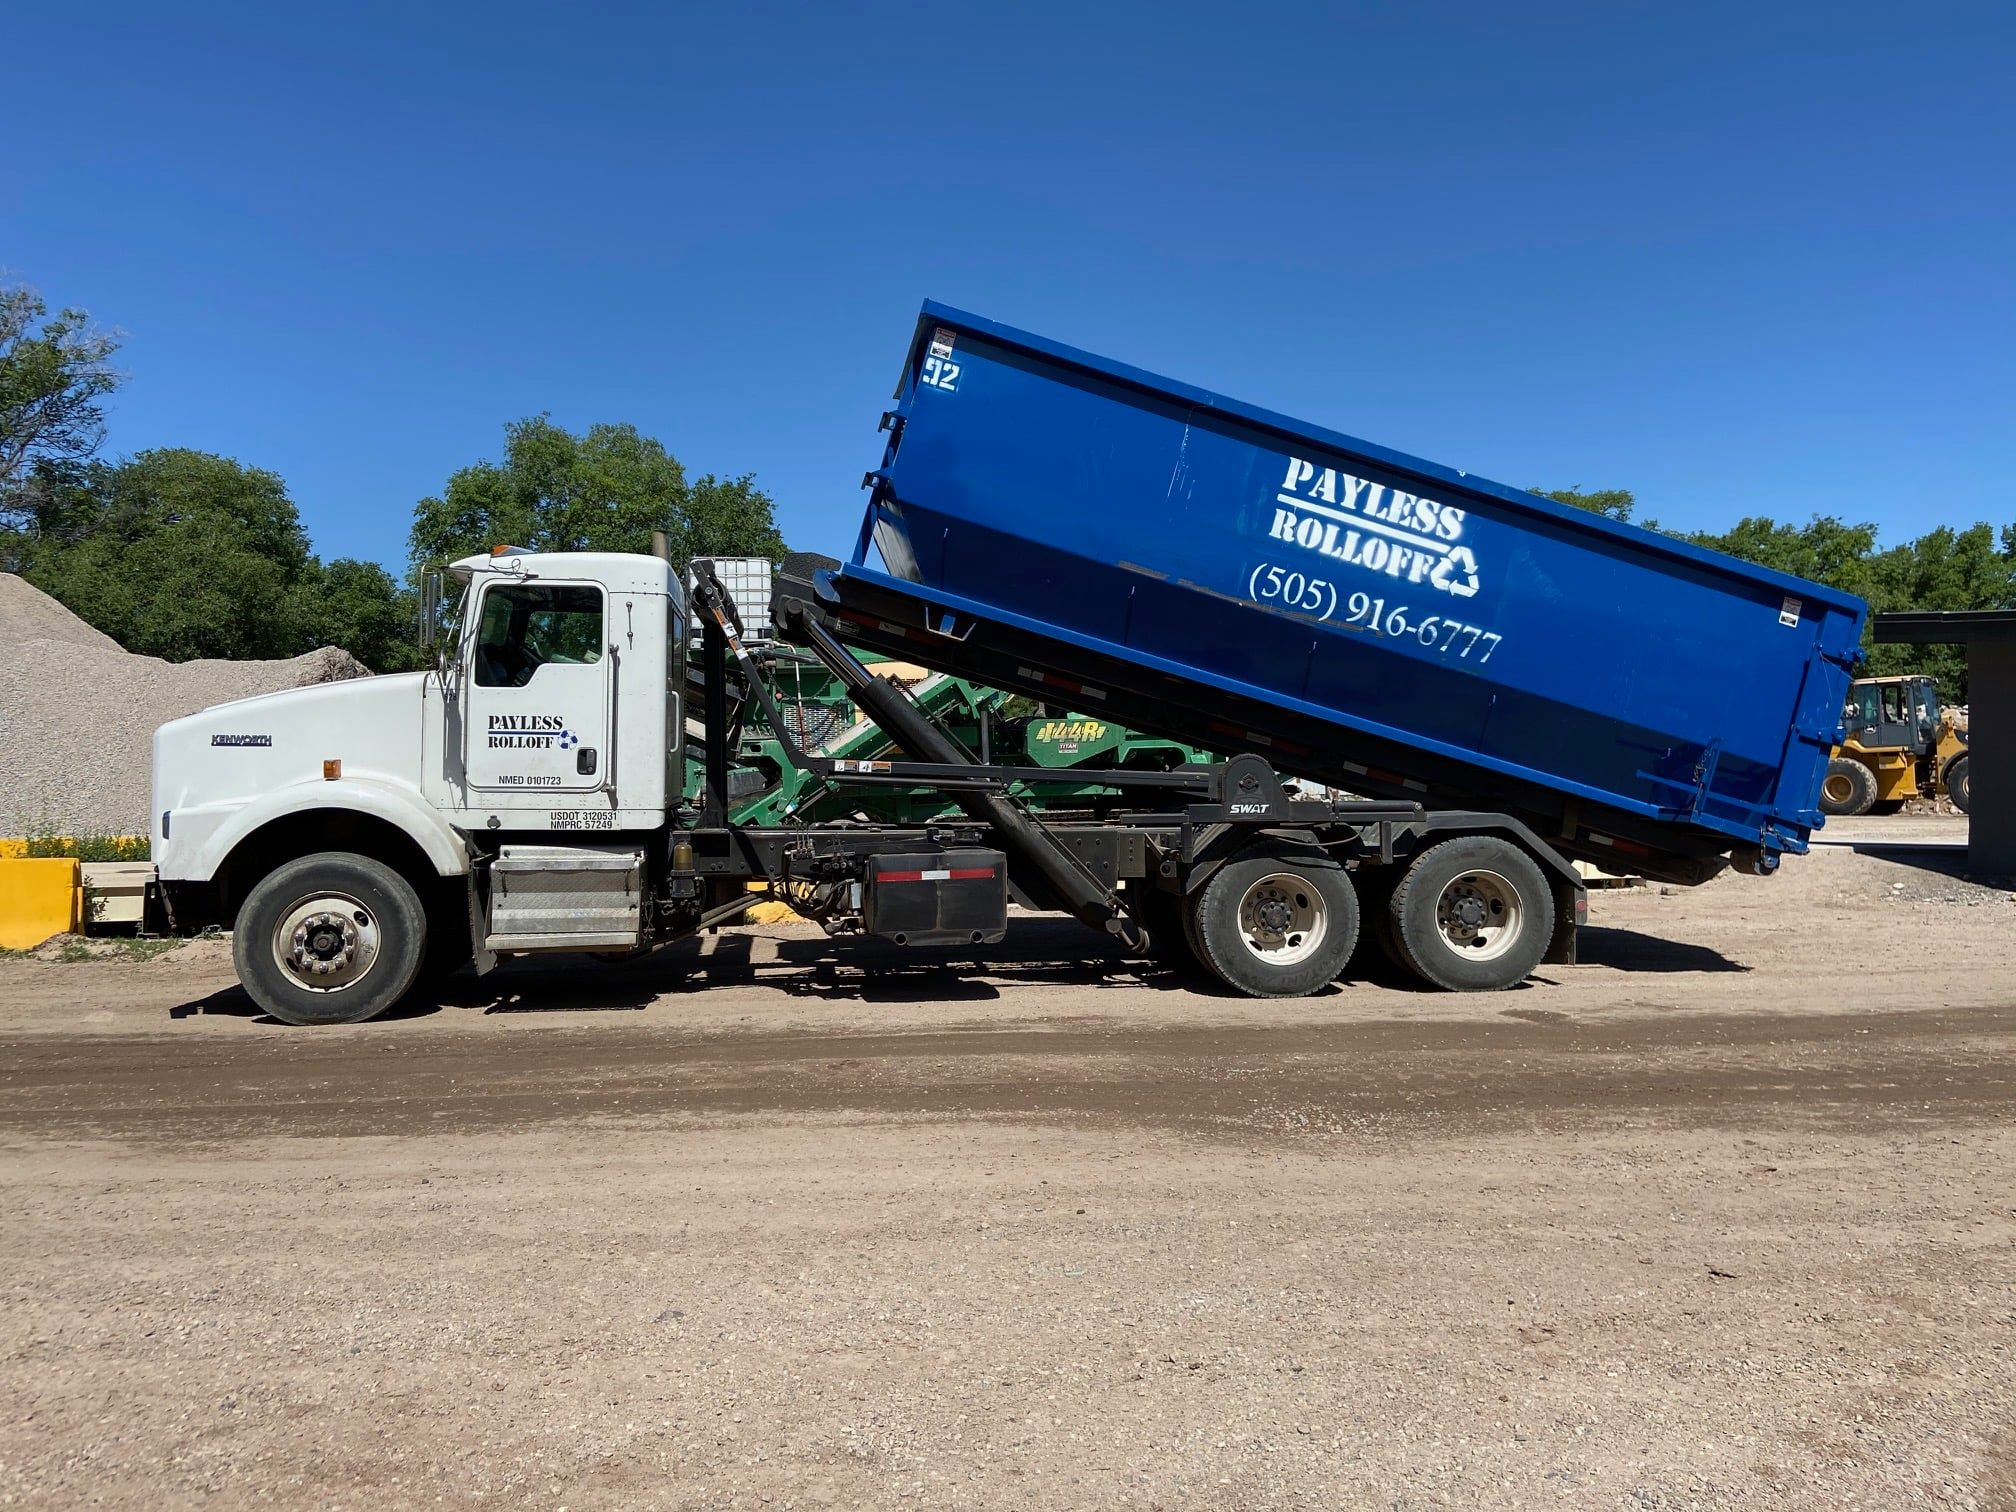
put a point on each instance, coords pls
(1746, 259)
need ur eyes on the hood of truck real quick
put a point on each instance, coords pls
(210, 764)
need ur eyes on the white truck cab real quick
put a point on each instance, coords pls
(556, 714)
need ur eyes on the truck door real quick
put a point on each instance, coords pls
(539, 689)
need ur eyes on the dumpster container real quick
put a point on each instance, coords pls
(1365, 618)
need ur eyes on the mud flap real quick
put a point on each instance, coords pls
(482, 957)
(1571, 912)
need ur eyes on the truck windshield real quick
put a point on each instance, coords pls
(527, 625)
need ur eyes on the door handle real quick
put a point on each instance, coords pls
(584, 761)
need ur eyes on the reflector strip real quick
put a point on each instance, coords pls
(1630, 846)
(1219, 727)
(947, 874)
(1379, 774)
(907, 632)
(1061, 682)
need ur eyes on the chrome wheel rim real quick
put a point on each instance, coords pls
(1479, 914)
(1282, 919)
(327, 942)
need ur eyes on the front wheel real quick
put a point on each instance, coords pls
(329, 939)
(1957, 787)
(1275, 925)
(1848, 789)
(1473, 914)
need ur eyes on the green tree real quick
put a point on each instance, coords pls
(358, 606)
(177, 554)
(54, 374)
(1825, 549)
(607, 489)
(1942, 569)
(731, 517)
(182, 554)
(1611, 503)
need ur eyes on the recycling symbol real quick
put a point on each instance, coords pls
(569, 740)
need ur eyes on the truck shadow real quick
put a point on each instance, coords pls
(1036, 953)
(1628, 950)
(1940, 858)
(235, 1002)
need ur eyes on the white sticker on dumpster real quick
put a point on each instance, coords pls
(941, 342)
(1788, 613)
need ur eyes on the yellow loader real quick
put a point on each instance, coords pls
(1901, 744)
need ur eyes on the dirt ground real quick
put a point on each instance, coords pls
(1723, 1216)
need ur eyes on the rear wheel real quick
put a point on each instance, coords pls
(1270, 925)
(1473, 914)
(1848, 789)
(1956, 783)
(329, 939)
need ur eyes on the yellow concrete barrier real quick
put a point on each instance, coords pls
(39, 897)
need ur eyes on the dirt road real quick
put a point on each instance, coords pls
(1724, 1216)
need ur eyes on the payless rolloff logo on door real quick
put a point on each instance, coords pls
(1400, 535)
(528, 732)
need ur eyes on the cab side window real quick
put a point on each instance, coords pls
(526, 626)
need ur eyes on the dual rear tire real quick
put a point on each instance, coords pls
(1471, 914)
(1270, 925)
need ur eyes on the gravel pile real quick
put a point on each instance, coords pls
(78, 714)
(28, 614)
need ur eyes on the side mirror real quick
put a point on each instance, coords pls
(430, 607)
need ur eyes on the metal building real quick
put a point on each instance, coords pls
(1990, 638)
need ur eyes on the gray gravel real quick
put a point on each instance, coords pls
(29, 614)
(77, 714)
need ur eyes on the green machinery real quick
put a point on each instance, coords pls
(823, 720)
